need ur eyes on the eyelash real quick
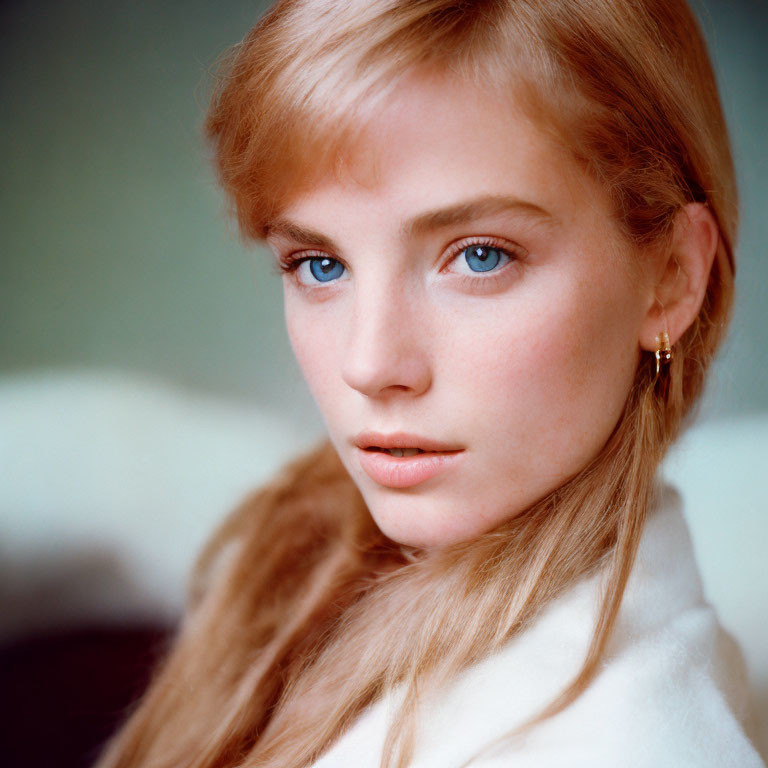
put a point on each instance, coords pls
(290, 263)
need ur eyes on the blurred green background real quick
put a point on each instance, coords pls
(116, 250)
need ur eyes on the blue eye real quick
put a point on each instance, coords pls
(324, 269)
(482, 258)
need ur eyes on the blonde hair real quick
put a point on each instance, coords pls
(289, 634)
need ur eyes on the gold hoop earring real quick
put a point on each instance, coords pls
(663, 351)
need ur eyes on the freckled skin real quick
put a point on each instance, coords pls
(529, 376)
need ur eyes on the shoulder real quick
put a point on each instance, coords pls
(671, 699)
(656, 706)
(672, 689)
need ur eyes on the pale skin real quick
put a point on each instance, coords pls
(525, 365)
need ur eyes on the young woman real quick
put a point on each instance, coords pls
(506, 230)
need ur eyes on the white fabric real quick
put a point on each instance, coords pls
(672, 691)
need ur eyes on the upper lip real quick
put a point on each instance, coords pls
(401, 440)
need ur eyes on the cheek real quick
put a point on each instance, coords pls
(315, 347)
(548, 374)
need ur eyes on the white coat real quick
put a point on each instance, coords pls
(671, 692)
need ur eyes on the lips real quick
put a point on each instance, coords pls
(378, 440)
(424, 458)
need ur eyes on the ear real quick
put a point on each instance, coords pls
(680, 274)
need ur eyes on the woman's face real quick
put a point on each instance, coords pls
(471, 300)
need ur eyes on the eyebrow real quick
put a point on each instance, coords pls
(440, 218)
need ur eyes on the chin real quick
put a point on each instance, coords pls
(404, 522)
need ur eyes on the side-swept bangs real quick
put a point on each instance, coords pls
(294, 100)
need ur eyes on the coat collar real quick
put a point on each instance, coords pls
(504, 689)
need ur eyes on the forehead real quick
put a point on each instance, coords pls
(437, 139)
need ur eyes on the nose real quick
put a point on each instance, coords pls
(387, 349)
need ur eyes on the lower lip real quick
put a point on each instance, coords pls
(406, 471)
